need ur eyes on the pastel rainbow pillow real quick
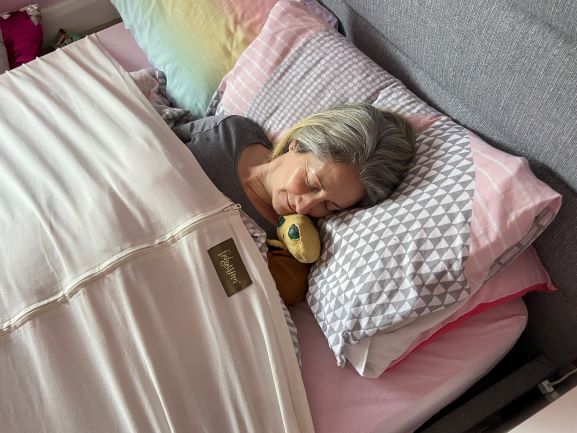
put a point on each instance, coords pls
(194, 42)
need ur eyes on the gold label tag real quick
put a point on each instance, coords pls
(229, 266)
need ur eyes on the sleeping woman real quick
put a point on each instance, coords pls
(350, 155)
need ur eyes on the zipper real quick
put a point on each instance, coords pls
(76, 284)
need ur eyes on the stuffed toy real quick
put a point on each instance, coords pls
(298, 246)
(298, 235)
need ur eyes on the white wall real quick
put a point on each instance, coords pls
(75, 16)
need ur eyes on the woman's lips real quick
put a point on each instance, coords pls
(289, 205)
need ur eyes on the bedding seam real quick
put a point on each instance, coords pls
(74, 286)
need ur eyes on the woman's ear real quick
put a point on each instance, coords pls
(293, 145)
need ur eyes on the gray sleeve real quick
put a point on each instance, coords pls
(216, 143)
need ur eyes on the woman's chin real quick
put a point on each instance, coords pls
(278, 210)
(281, 209)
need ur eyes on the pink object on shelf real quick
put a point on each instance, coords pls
(12, 5)
(22, 35)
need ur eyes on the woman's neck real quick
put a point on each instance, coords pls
(252, 171)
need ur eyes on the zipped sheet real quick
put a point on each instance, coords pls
(113, 317)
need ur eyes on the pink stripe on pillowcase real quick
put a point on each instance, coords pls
(539, 287)
(507, 199)
(267, 52)
(526, 274)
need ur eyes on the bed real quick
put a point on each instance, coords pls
(115, 314)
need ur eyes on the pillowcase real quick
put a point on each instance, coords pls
(195, 42)
(382, 351)
(464, 211)
(22, 34)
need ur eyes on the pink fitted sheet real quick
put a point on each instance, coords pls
(402, 398)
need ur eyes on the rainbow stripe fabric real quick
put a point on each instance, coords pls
(194, 42)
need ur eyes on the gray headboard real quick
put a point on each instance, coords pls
(506, 70)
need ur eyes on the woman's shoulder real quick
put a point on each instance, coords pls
(237, 121)
(244, 130)
(232, 133)
(224, 120)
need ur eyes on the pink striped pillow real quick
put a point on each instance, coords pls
(288, 26)
(465, 211)
(511, 207)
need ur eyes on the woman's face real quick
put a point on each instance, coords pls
(304, 184)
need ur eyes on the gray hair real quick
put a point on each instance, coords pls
(379, 144)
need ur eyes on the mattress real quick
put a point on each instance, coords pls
(408, 394)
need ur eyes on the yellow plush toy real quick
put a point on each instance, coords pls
(298, 235)
(299, 245)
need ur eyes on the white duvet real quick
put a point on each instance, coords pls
(112, 316)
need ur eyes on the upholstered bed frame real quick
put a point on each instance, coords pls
(507, 71)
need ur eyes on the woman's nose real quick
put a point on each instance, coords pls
(304, 204)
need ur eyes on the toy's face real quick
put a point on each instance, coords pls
(300, 237)
(289, 230)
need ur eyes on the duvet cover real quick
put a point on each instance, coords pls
(132, 296)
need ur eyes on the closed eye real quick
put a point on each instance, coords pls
(331, 207)
(308, 182)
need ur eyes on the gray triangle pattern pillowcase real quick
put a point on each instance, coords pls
(403, 258)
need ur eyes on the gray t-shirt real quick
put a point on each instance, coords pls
(216, 142)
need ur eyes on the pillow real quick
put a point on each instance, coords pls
(22, 34)
(298, 65)
(196, 42)
(465, 210)
(371, 357)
